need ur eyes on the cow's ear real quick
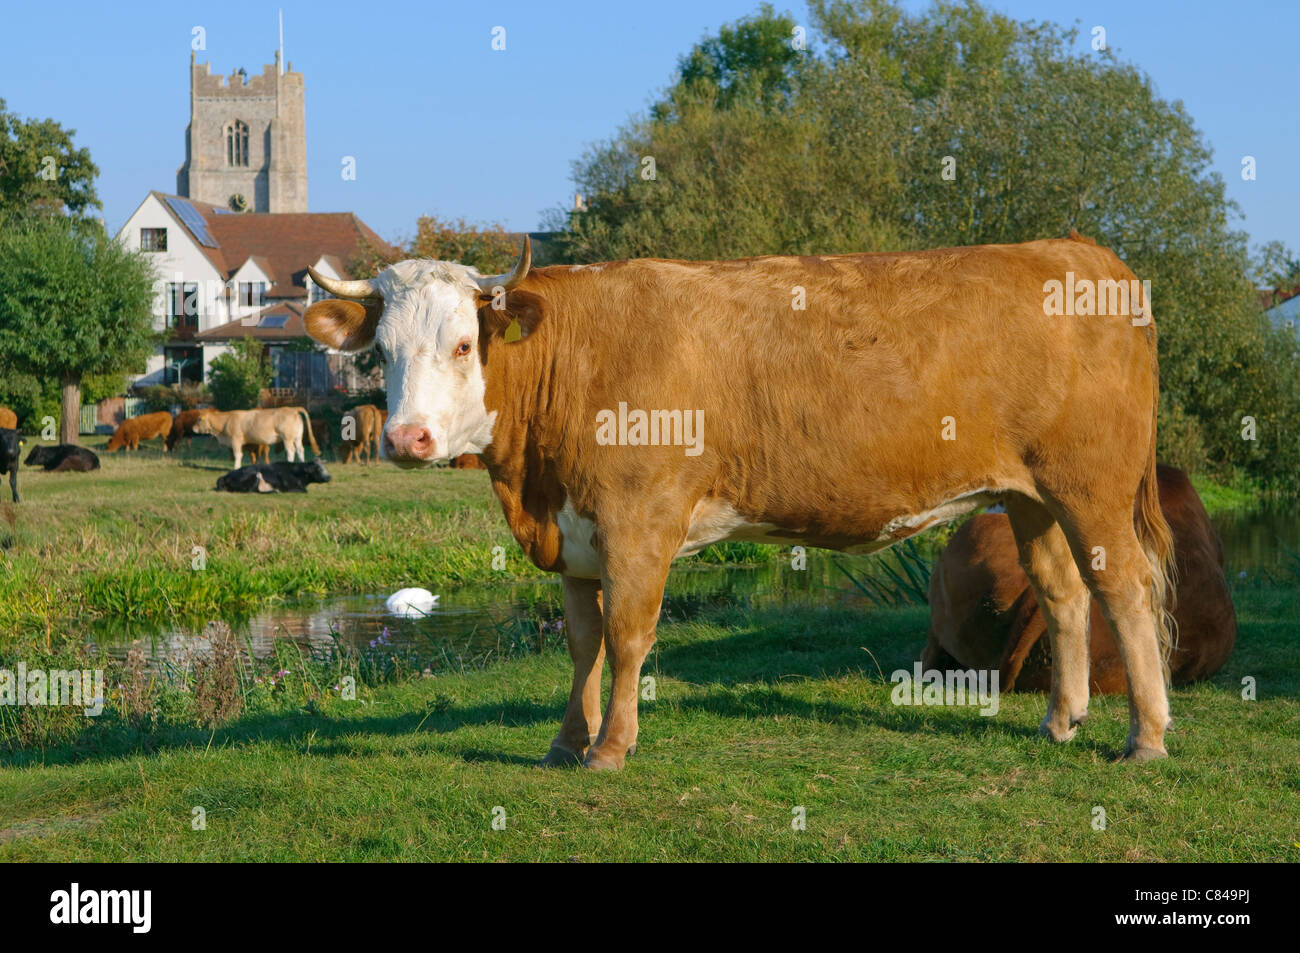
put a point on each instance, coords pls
(343, 325)
(500, 315)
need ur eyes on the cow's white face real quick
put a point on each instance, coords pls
(428, 342)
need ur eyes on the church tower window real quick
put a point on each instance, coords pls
(237, 143)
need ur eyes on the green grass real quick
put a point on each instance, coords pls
(759, 709)
(1219, 498)
(755, 714)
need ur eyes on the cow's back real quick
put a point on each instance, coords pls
(833, 415)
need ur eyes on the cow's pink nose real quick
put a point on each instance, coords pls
(407, 443)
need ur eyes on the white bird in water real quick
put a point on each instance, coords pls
(411, 603)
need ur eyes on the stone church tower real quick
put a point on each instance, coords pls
(246, 144)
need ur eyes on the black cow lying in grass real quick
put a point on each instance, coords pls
(9, 444)
(63, 457)
(274, 477)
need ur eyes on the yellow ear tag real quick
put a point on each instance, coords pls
(514, 332)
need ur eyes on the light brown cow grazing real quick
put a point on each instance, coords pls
(129, 433)
(984, 613)
(365, 425)
(183, 427)
(271, 425)
(635, 411)
(8, 419)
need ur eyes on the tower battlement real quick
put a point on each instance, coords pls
(246, 142)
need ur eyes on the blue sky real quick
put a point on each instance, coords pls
(440, 123)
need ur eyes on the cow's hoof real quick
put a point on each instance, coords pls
(1059, 735)
(596, 761)
(1145, 754)
(559, 757)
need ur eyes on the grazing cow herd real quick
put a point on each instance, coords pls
(253, 430)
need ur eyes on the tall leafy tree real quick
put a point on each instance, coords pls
(40, 167)
(954, 126)
(73, 303)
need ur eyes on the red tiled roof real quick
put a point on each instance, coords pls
(291, 328)
(284, 243)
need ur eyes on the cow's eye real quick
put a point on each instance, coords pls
(379, 352)
(462, 349)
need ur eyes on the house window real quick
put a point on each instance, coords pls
(237, 143)
(183, 304)
(252, 293)
(183, 364)
(153, 239)
(318, 293)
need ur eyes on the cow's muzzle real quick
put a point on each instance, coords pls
(408, 445)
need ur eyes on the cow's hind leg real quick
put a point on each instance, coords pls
(583, 629)
(1116, 569)
(1046, 558)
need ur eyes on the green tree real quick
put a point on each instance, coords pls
(74, 303)
(41, 168)
(237, 378)
(954, 126)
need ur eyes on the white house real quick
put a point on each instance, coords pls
(224, 275)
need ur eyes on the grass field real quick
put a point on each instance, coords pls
(757, 713)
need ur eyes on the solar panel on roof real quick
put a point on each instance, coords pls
(274, 320)
(192, 220)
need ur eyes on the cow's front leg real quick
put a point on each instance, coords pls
(13, 486)
(582, 618)
(238, 447)
(633, 586)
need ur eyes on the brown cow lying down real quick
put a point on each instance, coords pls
(984, 614)
(145, 427)
(366, 425)
(240, 428)
(467, 461)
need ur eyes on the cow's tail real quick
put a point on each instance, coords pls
(1153, 532)
(306, 422)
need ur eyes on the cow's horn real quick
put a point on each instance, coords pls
(341, 288)
(517, 275)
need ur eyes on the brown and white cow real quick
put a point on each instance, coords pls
(129, 433)
(843, 401)
(984, 614)
(269, 425)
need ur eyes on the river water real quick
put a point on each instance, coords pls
(474, 624)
